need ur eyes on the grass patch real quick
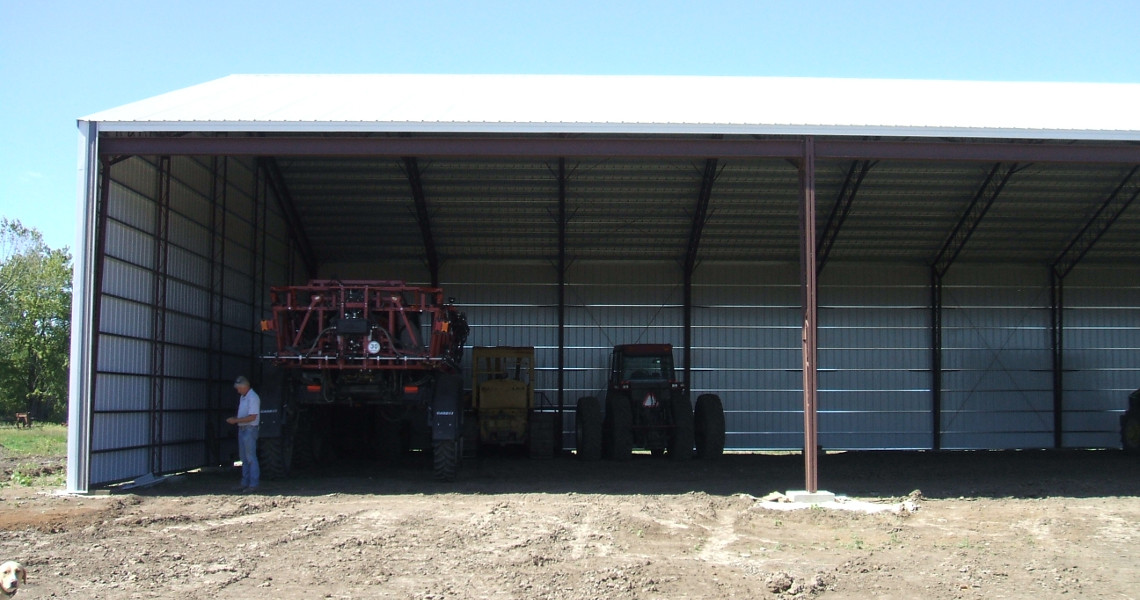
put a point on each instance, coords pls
(41, 440)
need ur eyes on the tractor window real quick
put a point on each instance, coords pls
(646, 367)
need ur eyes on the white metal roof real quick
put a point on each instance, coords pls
(638, 105)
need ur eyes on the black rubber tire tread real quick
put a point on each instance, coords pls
(540, 435)
(621, 427)
(708, 425)
(588, 428)
(445, 459)
(274, 457)
(1130, 432)
(681, 442)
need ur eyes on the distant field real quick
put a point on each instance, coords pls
(41, 440)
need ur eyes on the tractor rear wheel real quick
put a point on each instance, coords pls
(588, 428)
(681, 443)
(620, 424)
(708, 421)
(1130, 432)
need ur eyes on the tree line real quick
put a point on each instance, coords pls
(35, 324)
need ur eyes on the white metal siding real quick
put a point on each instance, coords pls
(217, 262)
(874, 357)
(996, 358)
(1101, 353)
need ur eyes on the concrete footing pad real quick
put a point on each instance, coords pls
(806, 497)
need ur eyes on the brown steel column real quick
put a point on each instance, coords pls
(808, 281)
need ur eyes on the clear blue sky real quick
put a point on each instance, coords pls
(60, 60)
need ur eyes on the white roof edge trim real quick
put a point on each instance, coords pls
(615, 128)
(637, 105)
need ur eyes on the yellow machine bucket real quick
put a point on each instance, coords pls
(503, 392)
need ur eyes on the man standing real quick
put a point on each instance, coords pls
(247, 421)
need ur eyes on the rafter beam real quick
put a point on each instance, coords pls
(658, 147)
(1106, 214)
(842, 207)
(423, 217)
(987, 193)
(289, 210)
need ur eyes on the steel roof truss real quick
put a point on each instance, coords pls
(700, 215)
(1106, 214)
(842, 207)
(289, 210)
(987, 193)
(423, 217)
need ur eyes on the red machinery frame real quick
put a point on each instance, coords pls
(365, 325)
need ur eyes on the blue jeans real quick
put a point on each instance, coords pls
(247, 453)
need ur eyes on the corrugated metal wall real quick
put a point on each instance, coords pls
(1102, 353)
(875, 345)
(190, 246)
(874, 357)
(997, 359)
(184, 287)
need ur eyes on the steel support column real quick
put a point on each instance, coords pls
(219, 177)
(842, 207)
(809, 297)
(561, 299)
(1057, 339)
(700, 217)
(980, 204)
(158, 316)
(935, 359)
(423, 217)
(1101, 221)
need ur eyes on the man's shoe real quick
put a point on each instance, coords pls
(250, 490)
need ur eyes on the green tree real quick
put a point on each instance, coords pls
(35, 324)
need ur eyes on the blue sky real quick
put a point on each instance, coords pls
(61, 60)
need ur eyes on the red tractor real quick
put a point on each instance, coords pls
(370, 365)
(647, 407)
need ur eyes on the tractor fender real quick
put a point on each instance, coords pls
(446, 414)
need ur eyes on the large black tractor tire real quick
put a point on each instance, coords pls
(682, 440)
(619, 430)
(1130, 432)
(708, 424)
(588, 428)
(445, 459)
(540, 435)
(275, 457)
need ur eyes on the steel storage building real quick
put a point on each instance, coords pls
(974, 245)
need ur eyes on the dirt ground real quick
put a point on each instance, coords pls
(1031, 524)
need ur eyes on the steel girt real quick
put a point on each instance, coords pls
(289, 210)
(987, 193)
(842, 207)
(423, 217)
(847, 149)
